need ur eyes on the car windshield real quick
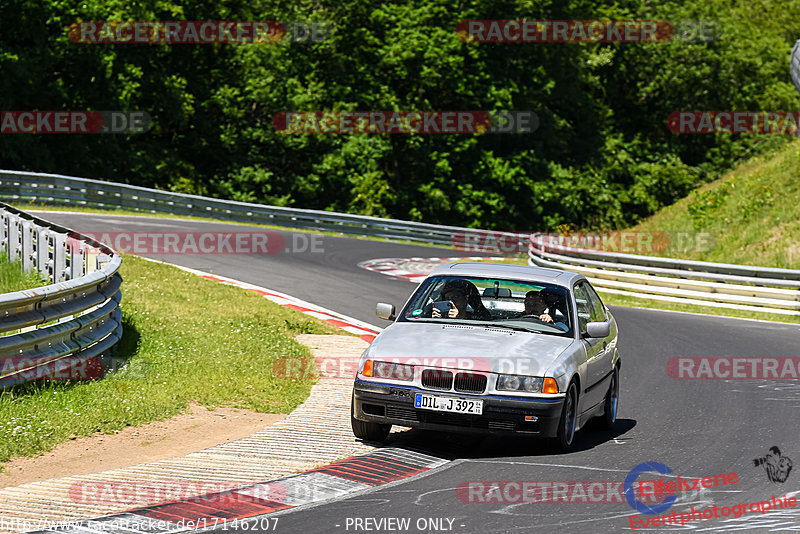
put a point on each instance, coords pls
(513, 304)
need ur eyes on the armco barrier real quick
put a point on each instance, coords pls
(665, 279)
(24, 187)
(716, 285)
(54, 331)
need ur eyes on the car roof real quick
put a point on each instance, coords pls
(512, 271)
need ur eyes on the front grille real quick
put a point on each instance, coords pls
(400, 414)
(396, 412)
(437, 379)
(446, 418)
(506, 410)
(372, 409)
(470, 383)
(526, 426)
(501, 425)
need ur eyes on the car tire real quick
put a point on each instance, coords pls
(611, 405)
(366, 430)
(565, 436)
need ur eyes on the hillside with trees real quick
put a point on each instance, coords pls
(602, 156)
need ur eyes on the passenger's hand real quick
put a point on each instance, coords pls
(453, 313)
(436, 314)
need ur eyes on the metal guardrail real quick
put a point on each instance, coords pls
(64, 330)
(32, 187)
(666, 279)
(716, 285)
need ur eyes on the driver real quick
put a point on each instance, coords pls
(536, 306)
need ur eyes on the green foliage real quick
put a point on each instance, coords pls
(601, 157)
(750, 217)
(702, 209)
(761, 198)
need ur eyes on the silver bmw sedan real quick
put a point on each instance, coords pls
(491, 348)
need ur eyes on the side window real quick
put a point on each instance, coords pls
(590, 309)
(584, 306)
(599, 311)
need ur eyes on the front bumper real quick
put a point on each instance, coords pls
(504, 415)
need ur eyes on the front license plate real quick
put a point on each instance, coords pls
(448, 404)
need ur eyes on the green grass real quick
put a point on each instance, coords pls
(186, 340)
(12, 278)
(753, 212)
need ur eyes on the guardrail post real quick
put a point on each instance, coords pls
(4, 229)
(43, 264)
(12, 238)
(76, 257)
(59, 257)
(27, 245)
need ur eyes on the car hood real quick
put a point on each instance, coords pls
(461, 346)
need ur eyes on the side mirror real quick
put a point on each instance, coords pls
(385, 311)
(598, 329)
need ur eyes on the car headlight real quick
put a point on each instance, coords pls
(529, 384)
(388, 370)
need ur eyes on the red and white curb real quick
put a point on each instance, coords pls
(415, 269)
(365, 331)
(333, 481)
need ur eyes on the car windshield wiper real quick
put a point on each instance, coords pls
(511, 327)
(527, 329)
(441, 320)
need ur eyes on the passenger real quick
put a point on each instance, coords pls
(536, 306)
(463, 295)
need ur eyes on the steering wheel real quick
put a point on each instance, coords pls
(536, 318)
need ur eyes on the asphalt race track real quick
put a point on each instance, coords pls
(697, 428)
